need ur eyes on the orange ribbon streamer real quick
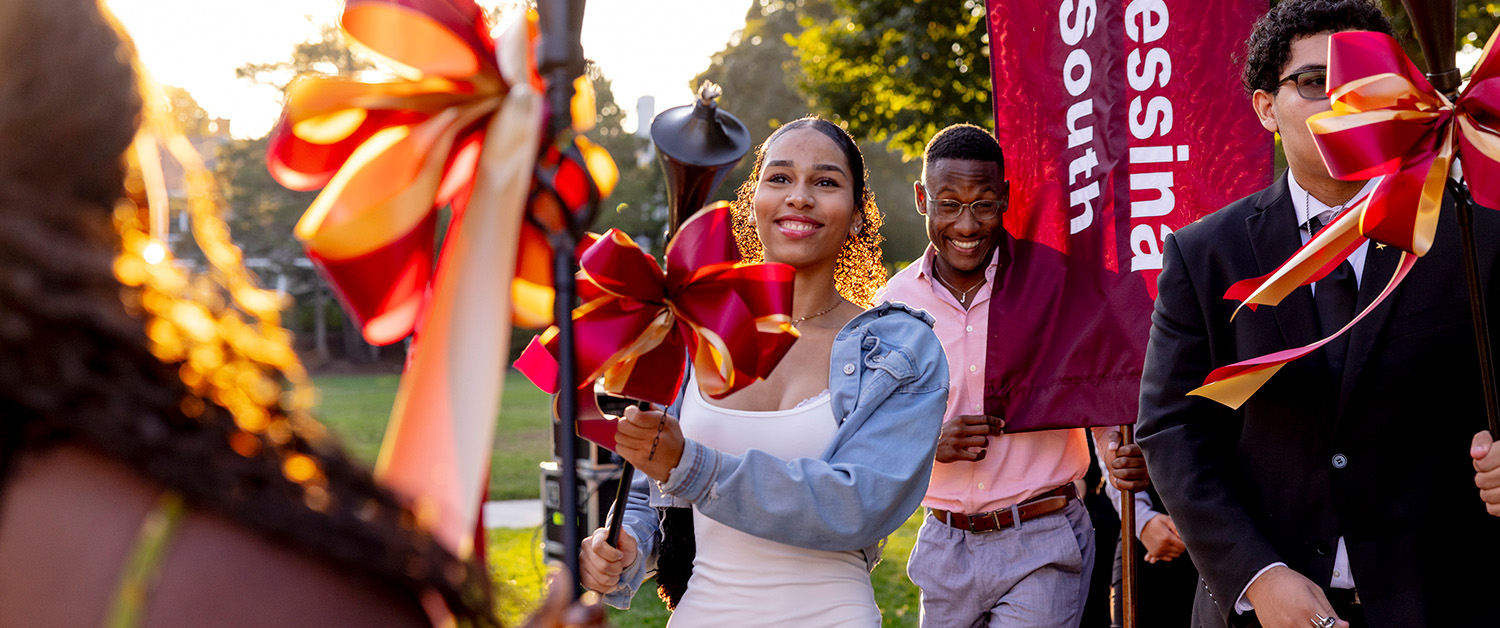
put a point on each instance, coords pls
(1386, 121)
(638, 325)
(460, 123)
(390, 151)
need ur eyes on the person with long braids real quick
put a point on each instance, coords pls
(152, 472)
(796, 480)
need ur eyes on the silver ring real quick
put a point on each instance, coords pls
(1323, 622)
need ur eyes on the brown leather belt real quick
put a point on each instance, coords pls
(1044, 504)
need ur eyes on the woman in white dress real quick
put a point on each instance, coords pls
(795, 481)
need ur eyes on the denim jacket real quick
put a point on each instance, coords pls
(888, 379)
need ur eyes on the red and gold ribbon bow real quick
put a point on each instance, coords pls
(459, 124)
(638, 325)
(389, 151)
(1386, 121)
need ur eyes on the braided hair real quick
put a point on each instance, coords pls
(81, 358)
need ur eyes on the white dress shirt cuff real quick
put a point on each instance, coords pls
(1143, 516)
(1242, 605)
(1145, 510)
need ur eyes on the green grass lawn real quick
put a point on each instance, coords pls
(515, 564)
(357, 408)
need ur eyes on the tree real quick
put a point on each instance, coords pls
(329, 54)
(184, 110)
(765, 87)
(638, 205)
(759, 73)
(1476, 20)
(899, 70)
(262, 213)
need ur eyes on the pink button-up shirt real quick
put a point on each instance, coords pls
(1016, 467)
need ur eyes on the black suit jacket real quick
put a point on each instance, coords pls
(1377, 454)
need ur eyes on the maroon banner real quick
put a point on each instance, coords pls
(1121, 121)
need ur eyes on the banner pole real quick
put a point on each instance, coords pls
(1127, 542)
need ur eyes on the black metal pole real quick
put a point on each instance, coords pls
(622, 499)
(560, 61)
(1435, 22)
(622, 495)
(1465, 210)
(560, 57)
(567, 402)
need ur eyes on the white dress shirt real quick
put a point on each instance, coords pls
(1307, 207)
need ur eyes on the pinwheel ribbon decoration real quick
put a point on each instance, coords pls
(638, 325)
(459, 124)
(1387, 121)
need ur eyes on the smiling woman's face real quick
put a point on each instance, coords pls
(804, 200)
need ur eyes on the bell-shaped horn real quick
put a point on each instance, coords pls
(1435, 22)
(698, 145)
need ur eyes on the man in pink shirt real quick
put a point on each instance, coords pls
(1006, 541)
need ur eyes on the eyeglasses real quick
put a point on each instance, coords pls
(1311, 84)
(948, 209)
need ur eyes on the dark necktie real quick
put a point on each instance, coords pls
(1335, 296)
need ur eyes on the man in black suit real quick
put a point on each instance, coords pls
(1339, 494)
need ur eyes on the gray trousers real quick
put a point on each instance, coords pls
(1034, 575)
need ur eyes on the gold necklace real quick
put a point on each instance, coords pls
(963, 298)
(836, 302)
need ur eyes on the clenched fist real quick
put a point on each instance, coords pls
(965, 438)
(601, 564)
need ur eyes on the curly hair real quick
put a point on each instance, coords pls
(1269, 46)
(858, 272)
(77, 364)
(963, 141)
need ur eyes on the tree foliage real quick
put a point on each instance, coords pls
(765, 87)
(185, 112)
(262, 212)
(638, 205)
(328, 54)
(899, 70)
(759, 73)
(1476, 20)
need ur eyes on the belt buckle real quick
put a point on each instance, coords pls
(994, 517)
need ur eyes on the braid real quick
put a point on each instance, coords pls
(101, 349)
(75, 367)
(674, 558)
